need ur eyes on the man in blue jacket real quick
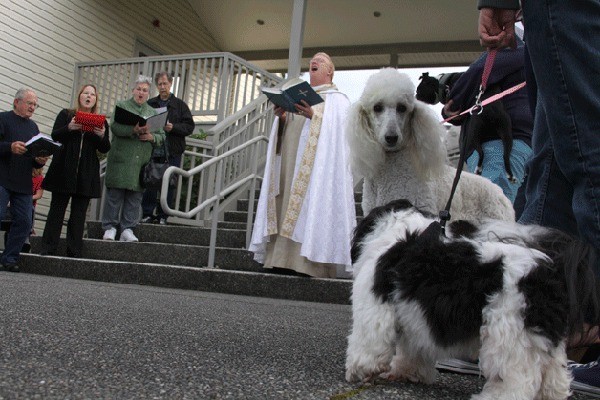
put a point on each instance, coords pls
(16, 128)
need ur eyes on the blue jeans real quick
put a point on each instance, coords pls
(493, 165)
(21, 207)
(150, 201)
(563, 187)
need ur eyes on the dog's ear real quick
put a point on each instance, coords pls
(366, 155)
(429, 155)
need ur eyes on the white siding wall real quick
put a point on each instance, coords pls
(43, 39)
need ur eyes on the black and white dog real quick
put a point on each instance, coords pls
(509, 294)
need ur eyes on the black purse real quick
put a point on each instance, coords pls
(153, 171)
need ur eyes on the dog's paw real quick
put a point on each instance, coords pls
(359, 377)
(364, 375)
(407, 374)
(512, 179)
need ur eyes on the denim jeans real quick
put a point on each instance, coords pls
(563, 187)
(150, 201)
(21, 207)
(493, 164)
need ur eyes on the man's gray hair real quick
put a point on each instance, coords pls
(161, 74)
(20, 95)
(143, 79)
(22, 92)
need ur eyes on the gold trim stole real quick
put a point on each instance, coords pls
(300, 185)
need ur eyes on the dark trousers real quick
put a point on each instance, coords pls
(20, 228)
(150, 200)
(75, 226)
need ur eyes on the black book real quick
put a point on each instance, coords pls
(155, 122)
(292, 92)
(42, 145)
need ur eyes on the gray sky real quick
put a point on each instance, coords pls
(352, 83)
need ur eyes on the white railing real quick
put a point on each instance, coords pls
(214, 85)
(252, 121)
(223, 93)
(251, 151)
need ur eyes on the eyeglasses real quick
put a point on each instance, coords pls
(31, 103)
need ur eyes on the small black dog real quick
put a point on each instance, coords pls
(493, 121)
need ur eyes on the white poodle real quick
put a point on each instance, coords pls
(396, 146)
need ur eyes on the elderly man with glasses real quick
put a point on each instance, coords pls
(16, 128)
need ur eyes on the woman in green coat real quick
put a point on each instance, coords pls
(131, 148)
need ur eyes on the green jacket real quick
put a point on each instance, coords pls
(128, 154)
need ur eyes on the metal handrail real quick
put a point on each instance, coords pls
(218, 163)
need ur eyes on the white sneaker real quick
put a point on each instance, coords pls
(128, 236)
(110, 234)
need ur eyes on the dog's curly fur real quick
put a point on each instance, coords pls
(396, 146)
(511, 294)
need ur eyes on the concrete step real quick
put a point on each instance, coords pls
(242, 205)
(335, 291)
(179, 234)
(357, 195)
(232, 225)
(236, 216)
(160, 253)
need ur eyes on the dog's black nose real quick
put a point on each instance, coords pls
(391, 139)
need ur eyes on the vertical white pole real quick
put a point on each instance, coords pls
(296, 38)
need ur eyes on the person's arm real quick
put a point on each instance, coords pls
(5, 147)
(38, 194)
(63, 125)
(100, 138)
(185, 126)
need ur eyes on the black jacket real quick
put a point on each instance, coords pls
(75, 170)
(183, 124)
(15, 170)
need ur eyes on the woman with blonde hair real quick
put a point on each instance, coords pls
(74, 173)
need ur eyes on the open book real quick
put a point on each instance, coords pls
(89, 121)
(290, 93)
(42, 145)
(155, 122)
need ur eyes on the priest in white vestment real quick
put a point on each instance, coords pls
(306, 211)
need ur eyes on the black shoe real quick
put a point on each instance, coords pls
(12, 267)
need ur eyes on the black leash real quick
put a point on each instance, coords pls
(439, 227)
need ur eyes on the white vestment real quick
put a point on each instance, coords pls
(322, 191)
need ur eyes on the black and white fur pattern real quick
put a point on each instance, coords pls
(507, 293)
(396, 146)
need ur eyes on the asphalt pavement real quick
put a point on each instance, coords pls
(71, 339)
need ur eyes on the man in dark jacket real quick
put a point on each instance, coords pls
(179, 125)
(16, 128)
